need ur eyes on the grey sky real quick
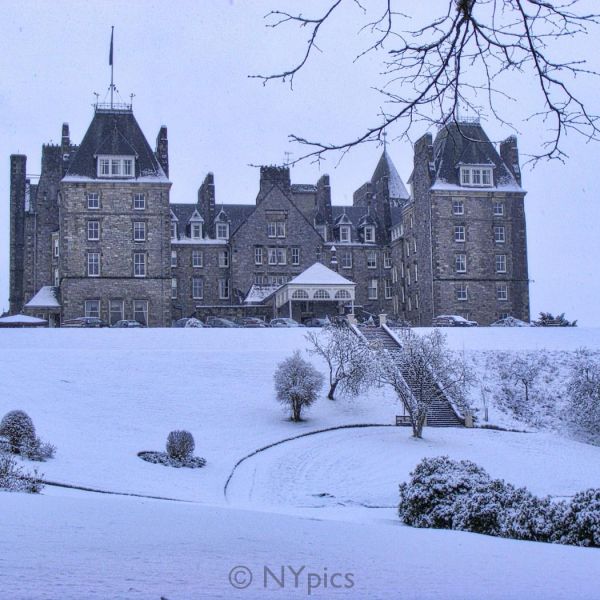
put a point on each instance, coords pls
(187, 63)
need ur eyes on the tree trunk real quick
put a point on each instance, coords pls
(332, 390)
(296, 410)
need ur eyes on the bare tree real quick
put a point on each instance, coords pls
(468, 54)
(422, 370)
(347, 357)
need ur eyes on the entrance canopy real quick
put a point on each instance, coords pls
(316, 284)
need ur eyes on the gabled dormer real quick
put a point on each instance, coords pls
(367, 227)
(174, 226)
(195, 223)
(343, 228)
(222, 223)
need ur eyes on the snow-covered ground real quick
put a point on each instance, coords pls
(325, 501)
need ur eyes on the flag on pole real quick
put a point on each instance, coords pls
(110, 56)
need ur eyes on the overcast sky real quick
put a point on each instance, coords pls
(188, 62)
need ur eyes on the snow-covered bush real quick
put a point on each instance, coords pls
(429, 498)
(449, 494)
(580, 522)
(14, 479)
(180, 444)
(18, 429)
(297, 384)
(18, 432)
(583, 391)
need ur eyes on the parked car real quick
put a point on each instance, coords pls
(453, 321)
(189, 322)
(84, 322)
(285, 322)
(128, 323)
(510, 322)
(250, 322)
(317, 322)
(219, 322)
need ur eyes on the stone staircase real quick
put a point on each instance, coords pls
(441, 412)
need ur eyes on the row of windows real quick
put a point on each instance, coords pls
(345, 234)
(116, 310)
(460, 233)
(116, 166)
(476, 176)
(198, 258)
(461, 291)
(460, 263)
(221, 230)
(140, 264)
(458, 208)
(93, 201)
(276, 256)
(197, 288)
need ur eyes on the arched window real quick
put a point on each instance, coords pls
(321, 295)
(342, 295)
(300, 295)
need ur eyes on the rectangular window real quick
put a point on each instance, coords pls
(139, 202)
(371, 259)
(140, 311)
(93, 231)
(387, 259)
(271, 229)
(197, 288)
(409, 304)
(458, 207)
(486, 177)
(476, 176)
(139, 264)
(127, 167)
(93, 201)
(139, 231)
(173, 258)
(501, 291)
(372, 290)
(56, 278)
(416, 273)
(173, 287)
(197, 258)
(281, 256)
(258, 256)
(388, 289)
(56, 247)
(370, 234)
(280, 229)
(272, 254)
(461, 291)
(459, 233)
(417, 301)
(222, 231)
(295, 256)
(347, 260)
(345, 234)
(115, 311)
(394, 275)
(224, 258)
(408, 275)
(499, 234)
(498, 209)
(415, 245)
(173, 230)
(500, 263)
(196, 231)
(104, 167)
(223, 289)
(115, 167)
(460, 263)
(92, 308)
(93, 264)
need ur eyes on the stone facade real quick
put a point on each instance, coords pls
(114, 246)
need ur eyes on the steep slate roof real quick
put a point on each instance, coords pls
(237, 213)
(386, 168)
(467, 144)
(114, 132)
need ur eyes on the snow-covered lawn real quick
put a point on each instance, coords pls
(101, 396)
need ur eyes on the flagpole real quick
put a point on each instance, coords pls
(112, 85)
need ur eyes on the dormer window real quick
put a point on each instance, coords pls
(476, 176)
(196, 231)
(173, 230)
(370, 234)
(116, 166)
(222, 231)
(345, 233)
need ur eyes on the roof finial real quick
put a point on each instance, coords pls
(286, 162)
(384, 135)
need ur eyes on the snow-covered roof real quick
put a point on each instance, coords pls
(259, 293)
(47, 297)
(386, 168)
(16, 319)
(319, 274)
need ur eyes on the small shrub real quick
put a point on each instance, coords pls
(580, 522)
(14, 479)
(17, 427)
(37, 450)
(180, 444)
